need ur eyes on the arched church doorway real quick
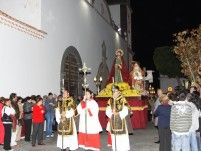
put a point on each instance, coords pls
(70, 77)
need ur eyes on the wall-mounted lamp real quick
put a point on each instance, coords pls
(98, 83)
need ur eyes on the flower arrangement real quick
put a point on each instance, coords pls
(124, 88)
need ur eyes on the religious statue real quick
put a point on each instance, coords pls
(137, 76)
(118, 66)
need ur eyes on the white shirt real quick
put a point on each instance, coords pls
(9, 111)
(93, 123)
(195, 118)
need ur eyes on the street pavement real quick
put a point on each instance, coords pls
(141, 140)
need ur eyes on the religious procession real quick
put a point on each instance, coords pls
(100, 75)
(79, 124)
(76, 122)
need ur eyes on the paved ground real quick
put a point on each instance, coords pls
(142, 140)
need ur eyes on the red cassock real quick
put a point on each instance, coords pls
(89, 137)
(109, 139)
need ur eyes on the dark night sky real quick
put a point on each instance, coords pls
(154, 22)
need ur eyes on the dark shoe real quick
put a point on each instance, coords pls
(157, 142)
(63, 149)
(27, 140)
(41, 143)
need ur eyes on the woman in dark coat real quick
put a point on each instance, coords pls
(163, 113)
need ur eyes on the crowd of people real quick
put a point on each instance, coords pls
(177, 118)
(77, 123)
(20, 118)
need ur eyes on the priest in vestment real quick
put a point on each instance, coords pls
(89, 125)
(67, 132)
(117, 109)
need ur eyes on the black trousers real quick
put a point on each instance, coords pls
(28, 125)
(7, 136)
(37, 133)
(165, 139)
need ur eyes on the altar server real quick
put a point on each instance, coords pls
(89, 125)
(117, 110)
(67, 132)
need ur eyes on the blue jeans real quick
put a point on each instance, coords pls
(49, 122)
(180, 142)
(198, 140)
(193, 141)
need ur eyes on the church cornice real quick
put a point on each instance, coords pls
(21, 26)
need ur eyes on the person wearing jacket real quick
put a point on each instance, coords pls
(163, 114)
(7, 113)
(180, 123)
(50, 105)
(156, 104)
(1, 123)
(13, 99)
(27, 109)
(38, 122)
(193, 99)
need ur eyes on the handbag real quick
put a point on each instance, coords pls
(6, 118)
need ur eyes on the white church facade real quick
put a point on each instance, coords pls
(43, 43)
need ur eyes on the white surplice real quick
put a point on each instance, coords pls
(93, 123)
(69, 141)
(93, 126)
(120, 142)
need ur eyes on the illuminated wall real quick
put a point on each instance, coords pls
(32, 66)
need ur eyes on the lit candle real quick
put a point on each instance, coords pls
(95, 79)
(112, 79)
(101, 79)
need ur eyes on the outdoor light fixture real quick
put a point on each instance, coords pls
(98, 82)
